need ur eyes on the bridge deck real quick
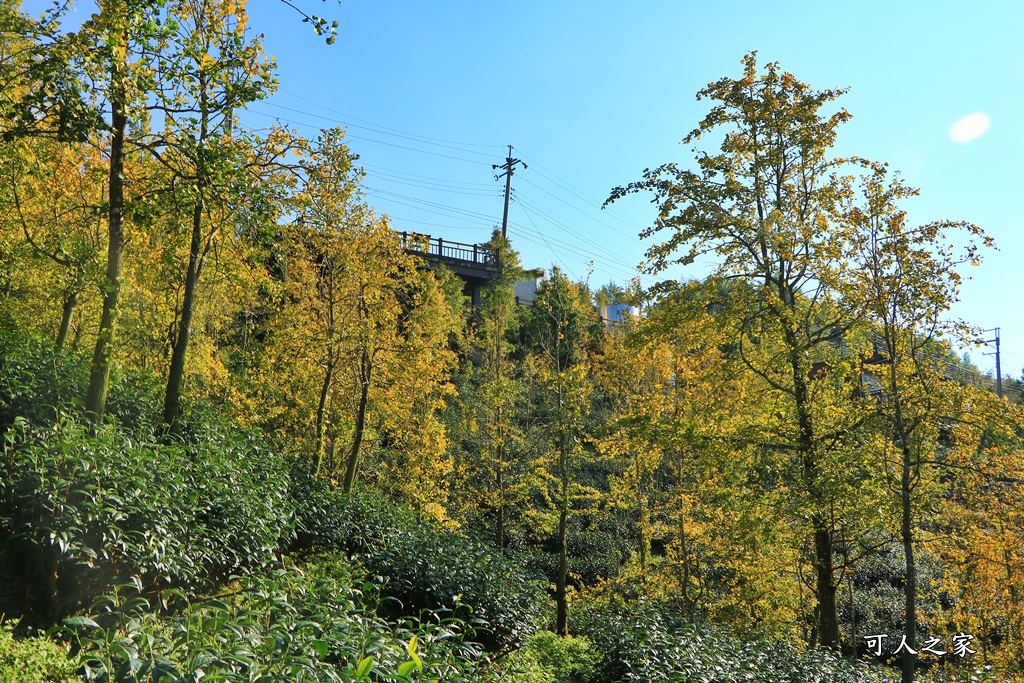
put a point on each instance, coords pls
(473, 263)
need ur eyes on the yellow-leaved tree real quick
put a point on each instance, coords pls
(760, 204)
(365, 337)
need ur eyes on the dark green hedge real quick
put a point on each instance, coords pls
(80, 511)
(422, 566)
(644, 642)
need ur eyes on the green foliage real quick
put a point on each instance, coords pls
(550, 658)
(39, 384)
(32, 660)
(645, 643)
(436, 570)
(425, 567)
(81, 510)
(284, 626)
(360, 522)
(34, 380)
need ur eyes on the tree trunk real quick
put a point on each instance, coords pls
(825, 589)
(561, 606)
(910, 630)
(65, 321)
(365, 372)
(501, 494)
(642, 528)
(176, 374)
(321, 410)
(99, 370)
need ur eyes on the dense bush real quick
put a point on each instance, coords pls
(425, 567)
(80, 511)
(32, 660)
(39, 385)
(548, 658)
(35, 381)
(644, 643)
(283, 627)
(362, 522)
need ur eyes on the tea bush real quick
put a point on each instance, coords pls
(38, 385)
(643, 642)
(548, 658)
(35, 381)
(425, 567)
(33, 660)
(80, 511)
(285, 626)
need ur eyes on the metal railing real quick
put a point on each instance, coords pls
(447, 250)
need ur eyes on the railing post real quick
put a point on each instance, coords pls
(440, 247)
(474, 253)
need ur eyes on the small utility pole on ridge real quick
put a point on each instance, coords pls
(509, 168)
(999, 369)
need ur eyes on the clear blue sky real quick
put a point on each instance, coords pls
(591, 93)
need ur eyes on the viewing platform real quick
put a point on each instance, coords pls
(474, 264)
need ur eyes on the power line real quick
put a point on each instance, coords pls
(376, 130)
(433, 187)
(365, 139)
(604, 259)
(386, 128)
(382, 170)
(539, 233)
(567, 229)
(577, 192)
(576, 208)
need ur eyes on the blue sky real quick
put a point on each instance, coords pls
(591, 93)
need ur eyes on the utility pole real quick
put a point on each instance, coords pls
(509, 167)
(999, 370)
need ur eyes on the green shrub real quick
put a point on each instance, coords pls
(426, 567)
(81, 511)
(288, 626)
(32, 660)
(38, 385)
(362, 522)
(643, 642)
(35, 381)
(549, 658)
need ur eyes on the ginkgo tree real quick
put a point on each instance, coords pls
(908, 280)
(205, 69)
(561, 330)
(491, 440)
(760, 205)
(55, 193)
(376, 323)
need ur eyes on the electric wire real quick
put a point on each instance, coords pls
(375, 130)
(605, 260)
(576, 208)
(583, 238)
(365, 139)
(553, 252)
(386, 129)
(581, 194)
(383, 171)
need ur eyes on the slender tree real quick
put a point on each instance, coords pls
(909, 281)
(761, 205)
(205, 70)
(559, 328)
(499, 389)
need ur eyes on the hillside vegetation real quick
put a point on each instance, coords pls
(248, 436)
